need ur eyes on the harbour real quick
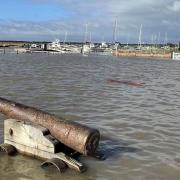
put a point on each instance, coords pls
(139, 124)
(107, 49)
(89, 90)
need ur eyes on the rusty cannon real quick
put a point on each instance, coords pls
(35, 128)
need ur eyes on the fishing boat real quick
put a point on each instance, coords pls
(55, 46)
(86, 49)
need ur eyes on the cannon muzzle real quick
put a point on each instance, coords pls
(74, 135)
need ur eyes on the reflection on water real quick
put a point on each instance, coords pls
(139, 125)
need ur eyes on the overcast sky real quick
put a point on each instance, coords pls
(51, 19)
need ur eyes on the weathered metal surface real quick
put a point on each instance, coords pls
(74, 135)
(59, 164)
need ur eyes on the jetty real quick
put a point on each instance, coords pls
(160, 54)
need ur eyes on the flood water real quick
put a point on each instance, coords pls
(140, 126)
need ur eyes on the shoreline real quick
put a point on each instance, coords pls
(143, 54)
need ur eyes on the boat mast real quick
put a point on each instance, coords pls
(90, 37)
(152, 40)
(65, 37)
(159, 39)
(127, 43)
(165, 39)
(86, 33)
(115, 31)
(140, 37)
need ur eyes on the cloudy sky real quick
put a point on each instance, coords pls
(51, 19)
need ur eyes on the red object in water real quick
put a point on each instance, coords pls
(131, 83)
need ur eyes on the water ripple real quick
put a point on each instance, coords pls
(139, 125)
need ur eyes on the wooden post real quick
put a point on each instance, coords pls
(4, 50)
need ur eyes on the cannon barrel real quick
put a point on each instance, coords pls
(74, 135)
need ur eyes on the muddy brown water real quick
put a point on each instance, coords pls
(140, 126)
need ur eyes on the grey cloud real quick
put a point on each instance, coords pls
(175, 6)
(156, 16)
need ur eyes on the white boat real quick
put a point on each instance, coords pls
(55, 46)
(86, 49)
(176, 56)
(71, 49)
